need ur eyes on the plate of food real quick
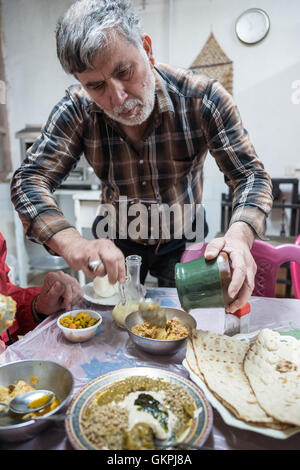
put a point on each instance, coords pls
(102, 292)
(252, 380)
(133, 409)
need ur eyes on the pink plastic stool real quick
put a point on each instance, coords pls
(295, 274)
(268, 259)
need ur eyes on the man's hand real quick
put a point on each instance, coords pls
(237, 243)
(59, 291)
(79, 252)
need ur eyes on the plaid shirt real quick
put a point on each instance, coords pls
(192, 115)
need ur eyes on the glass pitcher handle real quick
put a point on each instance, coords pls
(141, 293)
(122, 290)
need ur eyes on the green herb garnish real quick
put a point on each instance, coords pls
(147, 403)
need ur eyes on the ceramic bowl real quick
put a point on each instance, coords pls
(83, 334)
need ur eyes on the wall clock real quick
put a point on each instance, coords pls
(252, 26)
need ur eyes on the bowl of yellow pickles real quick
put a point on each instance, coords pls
(79, 325)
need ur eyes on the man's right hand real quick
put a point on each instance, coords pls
(79, 252)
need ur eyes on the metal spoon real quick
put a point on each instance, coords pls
(24, 403)
(153, 313)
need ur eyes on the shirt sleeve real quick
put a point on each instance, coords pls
(24, 320)
(24, 317)
(48, 162)
(230, 145)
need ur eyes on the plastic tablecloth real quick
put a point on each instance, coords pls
(111, 349)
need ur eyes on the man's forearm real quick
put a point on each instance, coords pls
(241, 230)
(78, 252)
(62, 240)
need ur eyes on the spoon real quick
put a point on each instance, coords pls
(153, 313)
(29, 402)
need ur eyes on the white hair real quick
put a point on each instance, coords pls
(86, 29)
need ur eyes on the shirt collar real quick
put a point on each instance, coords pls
(163, 100)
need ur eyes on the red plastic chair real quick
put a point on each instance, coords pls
(268, 259)
(295, 274)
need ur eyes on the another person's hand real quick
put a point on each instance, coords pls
(237, 243)
(79, 252)
(59, 291)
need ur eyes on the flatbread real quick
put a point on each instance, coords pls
(220, 361)
(191, 359)
(273, 370)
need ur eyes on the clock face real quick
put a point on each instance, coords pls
(252, 26)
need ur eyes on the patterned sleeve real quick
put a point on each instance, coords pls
(24, 320)
(48, 162)
(230, 145)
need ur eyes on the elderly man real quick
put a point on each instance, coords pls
(146, 129)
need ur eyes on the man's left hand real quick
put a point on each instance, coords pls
(237, 243)
(59, 292)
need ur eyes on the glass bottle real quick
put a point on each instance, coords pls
(131, 292)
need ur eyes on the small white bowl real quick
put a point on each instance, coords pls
(82, 334)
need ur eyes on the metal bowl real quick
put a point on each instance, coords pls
(52, 376)
(158, 346)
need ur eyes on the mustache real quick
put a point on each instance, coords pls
(127, 106)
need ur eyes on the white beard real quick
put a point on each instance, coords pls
(144, 107)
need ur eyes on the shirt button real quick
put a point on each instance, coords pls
(144, 183)
(141, 162)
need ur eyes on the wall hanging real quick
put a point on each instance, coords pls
(213, 62)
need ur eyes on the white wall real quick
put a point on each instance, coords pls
(35, 79)
(263, 76)
(6, 218)
(263, 73)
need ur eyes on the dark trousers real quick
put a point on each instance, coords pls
(160, 265)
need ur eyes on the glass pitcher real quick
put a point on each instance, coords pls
(131, 292)
(133, 288)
